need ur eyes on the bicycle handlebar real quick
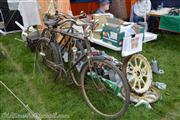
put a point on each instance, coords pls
(83, 24)
(82, 14)
(88, 26)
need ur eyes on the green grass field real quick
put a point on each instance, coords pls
(16, 71)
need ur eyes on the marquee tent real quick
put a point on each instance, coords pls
(21, 11)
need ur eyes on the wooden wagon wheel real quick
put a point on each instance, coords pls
(138, 72)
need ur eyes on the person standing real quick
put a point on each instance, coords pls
(140, 10)
(103, 6)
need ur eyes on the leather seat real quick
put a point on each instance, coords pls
(51, 22)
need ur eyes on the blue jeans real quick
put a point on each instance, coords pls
(137, 19)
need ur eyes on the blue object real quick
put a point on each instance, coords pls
(162, 4)
(166, 3)
(104, 1)
(99, 11)
(137, 19)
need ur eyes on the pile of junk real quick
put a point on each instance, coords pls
(139, 73)
(126, 38)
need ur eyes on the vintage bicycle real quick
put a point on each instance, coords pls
(100, 81)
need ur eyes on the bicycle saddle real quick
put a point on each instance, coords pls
(51, 22)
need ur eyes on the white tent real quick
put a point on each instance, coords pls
(25, 12)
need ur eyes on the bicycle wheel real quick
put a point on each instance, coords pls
(47, 59)
(75, 53)
(101, 84)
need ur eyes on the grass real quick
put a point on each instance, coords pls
(16, 71)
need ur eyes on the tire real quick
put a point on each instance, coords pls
(52, 58)
(89, 100)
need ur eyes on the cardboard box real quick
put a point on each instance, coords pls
(111, 34)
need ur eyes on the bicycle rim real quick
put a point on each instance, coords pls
(46, 59)
(101, 86)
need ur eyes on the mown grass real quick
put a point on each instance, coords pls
(16, 71)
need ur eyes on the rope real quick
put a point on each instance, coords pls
(35, 116)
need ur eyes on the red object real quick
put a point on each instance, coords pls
(87, 7)
(91, 7)
(129, 3)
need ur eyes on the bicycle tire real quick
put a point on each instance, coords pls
(124, 81)
(55, 55)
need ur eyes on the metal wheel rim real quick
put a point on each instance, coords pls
(98, 111)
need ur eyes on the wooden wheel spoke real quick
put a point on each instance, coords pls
(144, 68)
(143, 72)
(135, 61)
(134, 84)
(145, 75)
(139, 84)
(131, 64)
(143, 81)
(140, 63)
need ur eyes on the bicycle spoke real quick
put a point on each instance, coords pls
(102, 89)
